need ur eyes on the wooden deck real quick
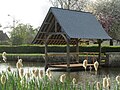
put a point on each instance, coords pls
(78, 66)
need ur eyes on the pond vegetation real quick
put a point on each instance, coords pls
(40, 80)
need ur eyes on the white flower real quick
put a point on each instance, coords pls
(108, 82)
(36, 73)
(105, 82)
(4, 56)
(118, 79)
(41, 73)
(98, 85)
(9, 69)
(74, 81)
(19, 64)
(48, 73)
(96, 64)
(21, 73)
(85, 62)
(3, 79)
(62, 78)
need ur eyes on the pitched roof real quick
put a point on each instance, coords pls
(3, 36)
(75, 24)
(79, 24)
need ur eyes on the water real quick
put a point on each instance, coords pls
(81, 76)
(26, 66)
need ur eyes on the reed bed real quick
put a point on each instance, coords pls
(37, 80)
(13, 81)
(40, 80)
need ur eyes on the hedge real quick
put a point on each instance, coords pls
(36, 49)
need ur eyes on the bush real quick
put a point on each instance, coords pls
(39, 49)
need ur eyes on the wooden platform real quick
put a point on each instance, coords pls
(72, 66)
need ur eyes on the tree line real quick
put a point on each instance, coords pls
(23, 34)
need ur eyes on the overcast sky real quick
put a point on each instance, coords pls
(26, 11)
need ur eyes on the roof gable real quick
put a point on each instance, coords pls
(79, 24)
(75, 25)
(3, 36)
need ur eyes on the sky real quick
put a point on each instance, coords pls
(30, 12)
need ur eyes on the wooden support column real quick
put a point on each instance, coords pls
(77, 50)
(55, 26)
(46, 56)
(68, 55)
(99, 56)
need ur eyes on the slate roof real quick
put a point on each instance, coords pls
(3, 36)
(75, 24)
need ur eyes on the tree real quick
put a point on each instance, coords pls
(70, 4)
(108, 13)
(22, 34)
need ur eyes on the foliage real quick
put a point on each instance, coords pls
(22, 49)
(108, 13)
(30, 49)
(5, 43)
(22, 34)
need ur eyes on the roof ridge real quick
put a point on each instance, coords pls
(69, 10)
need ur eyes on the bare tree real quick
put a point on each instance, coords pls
(70, 4)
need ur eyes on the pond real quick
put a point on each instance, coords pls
(81, 76)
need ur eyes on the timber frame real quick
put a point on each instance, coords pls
(54, 32)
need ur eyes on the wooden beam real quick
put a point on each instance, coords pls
(68, 55)
(44, 22)
(55, 25)
(46, 56)
(77, 50)
(99, 45)
(57, 41)
(47, 28)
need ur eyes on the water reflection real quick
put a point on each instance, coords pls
(26, 66)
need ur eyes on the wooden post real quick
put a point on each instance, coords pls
(99, 45)
(107, 60)
(68, 55)
(55, 26)
(46, 56)
(77, 50)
